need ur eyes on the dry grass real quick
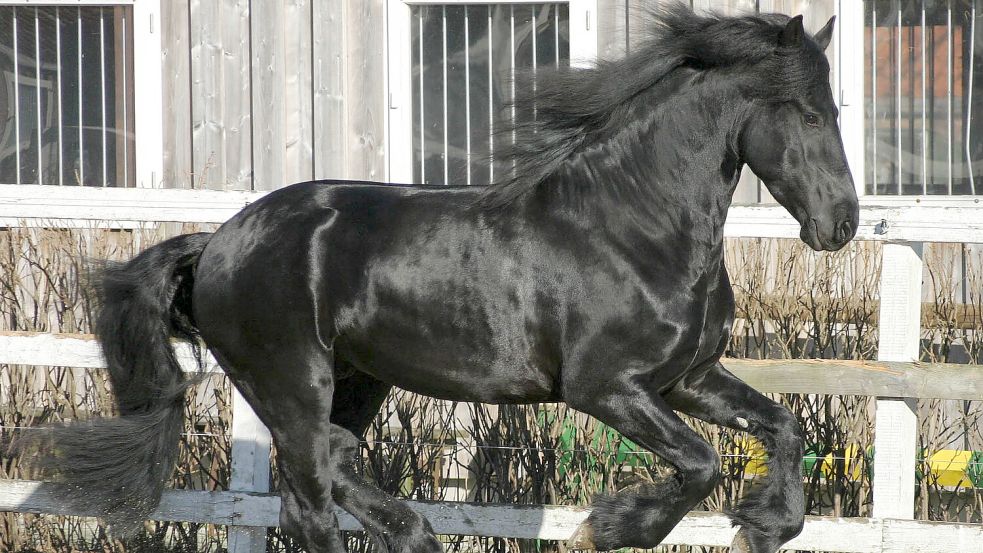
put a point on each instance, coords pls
(791, 303)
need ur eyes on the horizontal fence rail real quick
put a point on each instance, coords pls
(928, 220)
(550, 522)
(244, 509)
(783, 376)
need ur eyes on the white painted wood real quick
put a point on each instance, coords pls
(900, 302)
(911, 537)
(399, 122)
(611, 28)
(583, 32)
(220, 91)
(176, 106)
(849, 42)
(39, 205)
(895, 448)
(298, 101)
(147, 83)
(268, 66)
(329, 90)
(75, 350)
(896, 424)
(918, 223)
(250, 471)
(365, 112)
(825, 376)
(950, 220)
(858, 535)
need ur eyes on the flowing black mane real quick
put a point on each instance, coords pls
(580, 108)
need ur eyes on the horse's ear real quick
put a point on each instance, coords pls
(825, 35)
(792, 33)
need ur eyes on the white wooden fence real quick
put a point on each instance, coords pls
(896, 381)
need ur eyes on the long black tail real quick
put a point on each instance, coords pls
(118, 466)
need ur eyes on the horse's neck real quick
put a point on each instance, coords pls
(678, 168)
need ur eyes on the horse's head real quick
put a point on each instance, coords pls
(791, 140)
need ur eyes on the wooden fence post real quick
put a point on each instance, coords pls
(896, 426)
(250, 461)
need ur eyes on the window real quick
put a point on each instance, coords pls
(924, 97)
(451, 79)
(67, 94)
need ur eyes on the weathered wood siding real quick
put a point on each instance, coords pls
(259, 95)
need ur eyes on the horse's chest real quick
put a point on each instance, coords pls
(669, 331)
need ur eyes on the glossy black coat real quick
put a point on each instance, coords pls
(594, 276)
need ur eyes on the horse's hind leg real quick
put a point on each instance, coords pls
(642, 515)
(774, 513)
(392, 524)
(291, 389)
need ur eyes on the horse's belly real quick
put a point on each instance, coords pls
(452, 369)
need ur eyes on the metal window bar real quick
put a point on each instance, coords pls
(491, 98)
(897, 89)
(423, 162)
(37, 88)
(61, 121)
(444, 60)
(445, 145)
(925, 124)
(467, 95)
(102, 91)
(949, 88)
(123, 97)
(81, 127)
(534, 60)
(924, 106)
(873, 82)
(969, 98)
(512, 69)
(16, 97)
(53, 74)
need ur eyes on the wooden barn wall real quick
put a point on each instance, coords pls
(262, 94)
(258, 95)
(621, 24)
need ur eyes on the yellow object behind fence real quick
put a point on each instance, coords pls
(948, 467)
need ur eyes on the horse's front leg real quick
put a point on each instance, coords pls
(642, 515)
(774, 513)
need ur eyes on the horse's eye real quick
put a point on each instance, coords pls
(813, 120)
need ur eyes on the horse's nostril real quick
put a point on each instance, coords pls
(844, 231)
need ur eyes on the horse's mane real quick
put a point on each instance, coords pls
(580, 108)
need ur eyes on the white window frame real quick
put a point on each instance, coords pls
(848, 84)
(848, 79)
(147, 80)
(399, 120)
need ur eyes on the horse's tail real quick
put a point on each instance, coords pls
(118, 466)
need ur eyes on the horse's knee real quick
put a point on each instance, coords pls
(290, 515)
(344, 449)
(700, 472)
(786, 432)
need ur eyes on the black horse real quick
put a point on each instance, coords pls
(594, 276)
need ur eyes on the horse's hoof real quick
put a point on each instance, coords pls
(582, 538)
(740, 543)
